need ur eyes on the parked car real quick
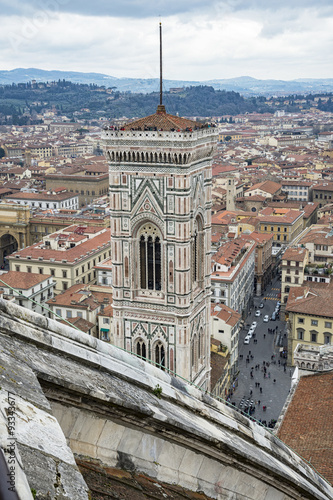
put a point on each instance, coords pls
(273, 318)
(278, 303)
(261, 305)
(266, 318)
(254, 324)
(257, 313)
(250, 333)
(247, 340)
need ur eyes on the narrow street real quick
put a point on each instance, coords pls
(263, 377)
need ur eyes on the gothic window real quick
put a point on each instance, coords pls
(201, 344)
(141, 348)
(159, 354)
(198, 253)
(194, 353)
(150, 258)
(126, 267)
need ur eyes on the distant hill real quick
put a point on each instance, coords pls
(245, 85)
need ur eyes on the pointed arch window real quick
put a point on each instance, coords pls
(159, 353)
(150, 258)
(141, 348)
(198, 253)
(194, 353)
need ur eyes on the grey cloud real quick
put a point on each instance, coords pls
(114, 8)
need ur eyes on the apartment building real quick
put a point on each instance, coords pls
(233, 275)
(105, 323)
(285, 224)
(68, 255)
(83, 301)
(226, 325)
(268, 189)
(220, 369)
(263, 259)
(61, 199)
(87, 187)
(283, 141)
(297, 190)
(309, 312)
(29, 290)
(104, 273)
(319, 242)
(294, 261)
(323, 193)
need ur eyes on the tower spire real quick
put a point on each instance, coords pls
(161, 107)
(161, 78)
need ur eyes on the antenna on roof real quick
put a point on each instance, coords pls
(160, 107)
(161, 79)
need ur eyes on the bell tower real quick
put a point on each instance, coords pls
(160, 203)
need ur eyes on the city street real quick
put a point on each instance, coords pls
(269, 390)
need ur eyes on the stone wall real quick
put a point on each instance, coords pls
(104, 401)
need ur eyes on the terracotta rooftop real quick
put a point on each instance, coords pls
(42, 196)
(83, 297)
(70, 254)
(325, 186)
(308, 424)
(80, 323)
(314, 298)
(268, 186)
(21, 280)
(318, 235)
(295, 254)
(161, 120)
(225, 313)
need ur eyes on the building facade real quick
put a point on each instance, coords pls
(309, 313)
(232, 278)
(294, 261)
(160, 201)
(29, 290)
(69, 255)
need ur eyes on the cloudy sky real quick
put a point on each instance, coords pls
(202, 39)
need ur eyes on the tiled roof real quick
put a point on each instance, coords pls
(288, 217)
(295, 254)
(225, 313)
(163, 121)
(314, 298)
(258, 237)
(308, 424)
(268, 186)
(325, 186)
(83, 297)
(318, 235)
(21, 280)
(80, 323)
(70, 254)
(42, 196)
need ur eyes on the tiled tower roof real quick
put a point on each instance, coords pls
(161, 120)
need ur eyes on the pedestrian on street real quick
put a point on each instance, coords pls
(269, 374)
(259, 402)
(260, 390)
(264, 335)
(274, 381)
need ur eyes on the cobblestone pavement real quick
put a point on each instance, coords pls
(269, 390)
